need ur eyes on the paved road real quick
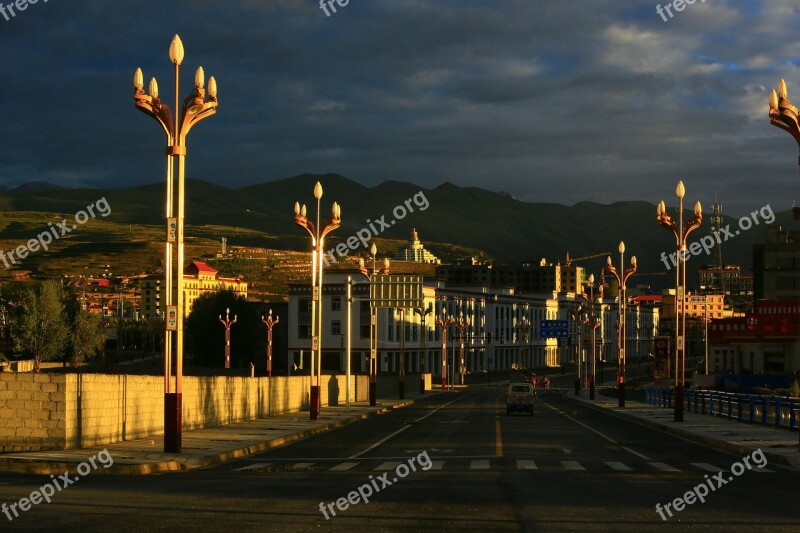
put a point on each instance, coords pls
(568, 468)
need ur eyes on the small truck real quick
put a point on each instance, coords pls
(520, 397)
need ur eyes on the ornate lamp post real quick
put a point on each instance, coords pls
(784, 115)
(317, 233)
(444, 322)
(524, 327)
(594, 323)
(462, 324)
(227, 323)
(270, 324)
(622, 278)
(198, 105)
(422, 312)
(681, 233)
(577, 314)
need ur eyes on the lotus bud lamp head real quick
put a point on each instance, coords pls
(297, 208)
(153, 88)
(138, 79)
(608, 260)
(318, 191)
(680, 190)
(212, 87)
(199, 78)
(176, 50)
(374, 249)
(386, 263)
(591, 279)
(782, 91)
(361, 262)
(633, 260)
(773, 99)
(698, 210)
(621, 247)
(661, 209)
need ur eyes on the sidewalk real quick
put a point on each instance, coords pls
(780, 446)
(201, 447)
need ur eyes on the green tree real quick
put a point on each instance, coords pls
(207, 335)
(42, 330)
(88, 336)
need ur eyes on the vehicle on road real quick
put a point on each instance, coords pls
(520, 397)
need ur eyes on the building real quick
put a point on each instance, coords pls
(776, 265)
(415, 252)
(764, 341)
(198, 279)
(528, 278)
(728, 280)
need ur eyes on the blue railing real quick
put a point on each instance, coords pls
(777, 411)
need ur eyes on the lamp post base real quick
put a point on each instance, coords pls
(315, 402)
(679, 403)
(373, 393)
(577, 386)
(172, 422)
(422, 384)
(622, 394)
(591, 388)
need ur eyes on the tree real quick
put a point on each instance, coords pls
(88, 336)
(207, 335)
(42, 330)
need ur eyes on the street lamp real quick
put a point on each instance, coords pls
(270, 324)
(577, 314)
(784, 115)
(622, 278)
(444, 322)
(422, 312)
(317, 233)
(227, 323)
(681, 233)
(195, 108)
(524, 327)
(461, 324)
(594, 323)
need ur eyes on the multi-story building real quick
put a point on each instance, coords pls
(728, 280)
(527, 278)
(776, 265)
(198, 279)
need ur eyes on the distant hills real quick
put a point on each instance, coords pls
(505, 228)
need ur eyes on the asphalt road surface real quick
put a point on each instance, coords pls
(450, 462)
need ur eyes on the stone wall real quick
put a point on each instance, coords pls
(60, 411)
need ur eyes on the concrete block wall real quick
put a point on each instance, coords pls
(60, 411)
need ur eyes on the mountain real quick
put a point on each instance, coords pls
(506, 228)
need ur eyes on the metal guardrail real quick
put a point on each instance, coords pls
(777, 411)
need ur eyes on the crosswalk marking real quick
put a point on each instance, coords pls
(436, 465)
(525, 464)
(572, 465)
(342, 467)
(664, 467)
(254, 466)
(761, 470)
(303, 466)
(707, 467)
(479, 464)
(620, 467)
(388, 465)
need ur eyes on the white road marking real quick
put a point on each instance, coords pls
(619, 467)
(664, 467)
(303, 466)
(526, 464)
(388, 465)
(341, 467)
(436, 465)
(606, 437)
(637, 454)
(251, 467)
(707, 467)
(479, 464)
(572, 465)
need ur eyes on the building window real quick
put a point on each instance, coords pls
(364, 320)
(336, 303)
(304, 318)
(336, 327)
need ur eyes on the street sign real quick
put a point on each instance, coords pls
(554, 328)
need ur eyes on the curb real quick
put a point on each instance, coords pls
(735, 448)
(32, 466)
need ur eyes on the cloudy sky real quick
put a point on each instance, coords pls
(549, 100)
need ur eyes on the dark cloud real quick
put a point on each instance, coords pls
(551, 101)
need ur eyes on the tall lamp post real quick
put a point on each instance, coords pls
(462, 324)
(784, 115)
(198, 105)
(422, 312)
(622, 278)
(227, 322)
(317, 233)
(270, 323)
(524, 327)
(444, 322)
(594, 323)
(680, 233)
(577, 317)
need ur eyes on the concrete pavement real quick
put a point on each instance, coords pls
(779, 445)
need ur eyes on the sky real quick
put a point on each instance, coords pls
(548, 100)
